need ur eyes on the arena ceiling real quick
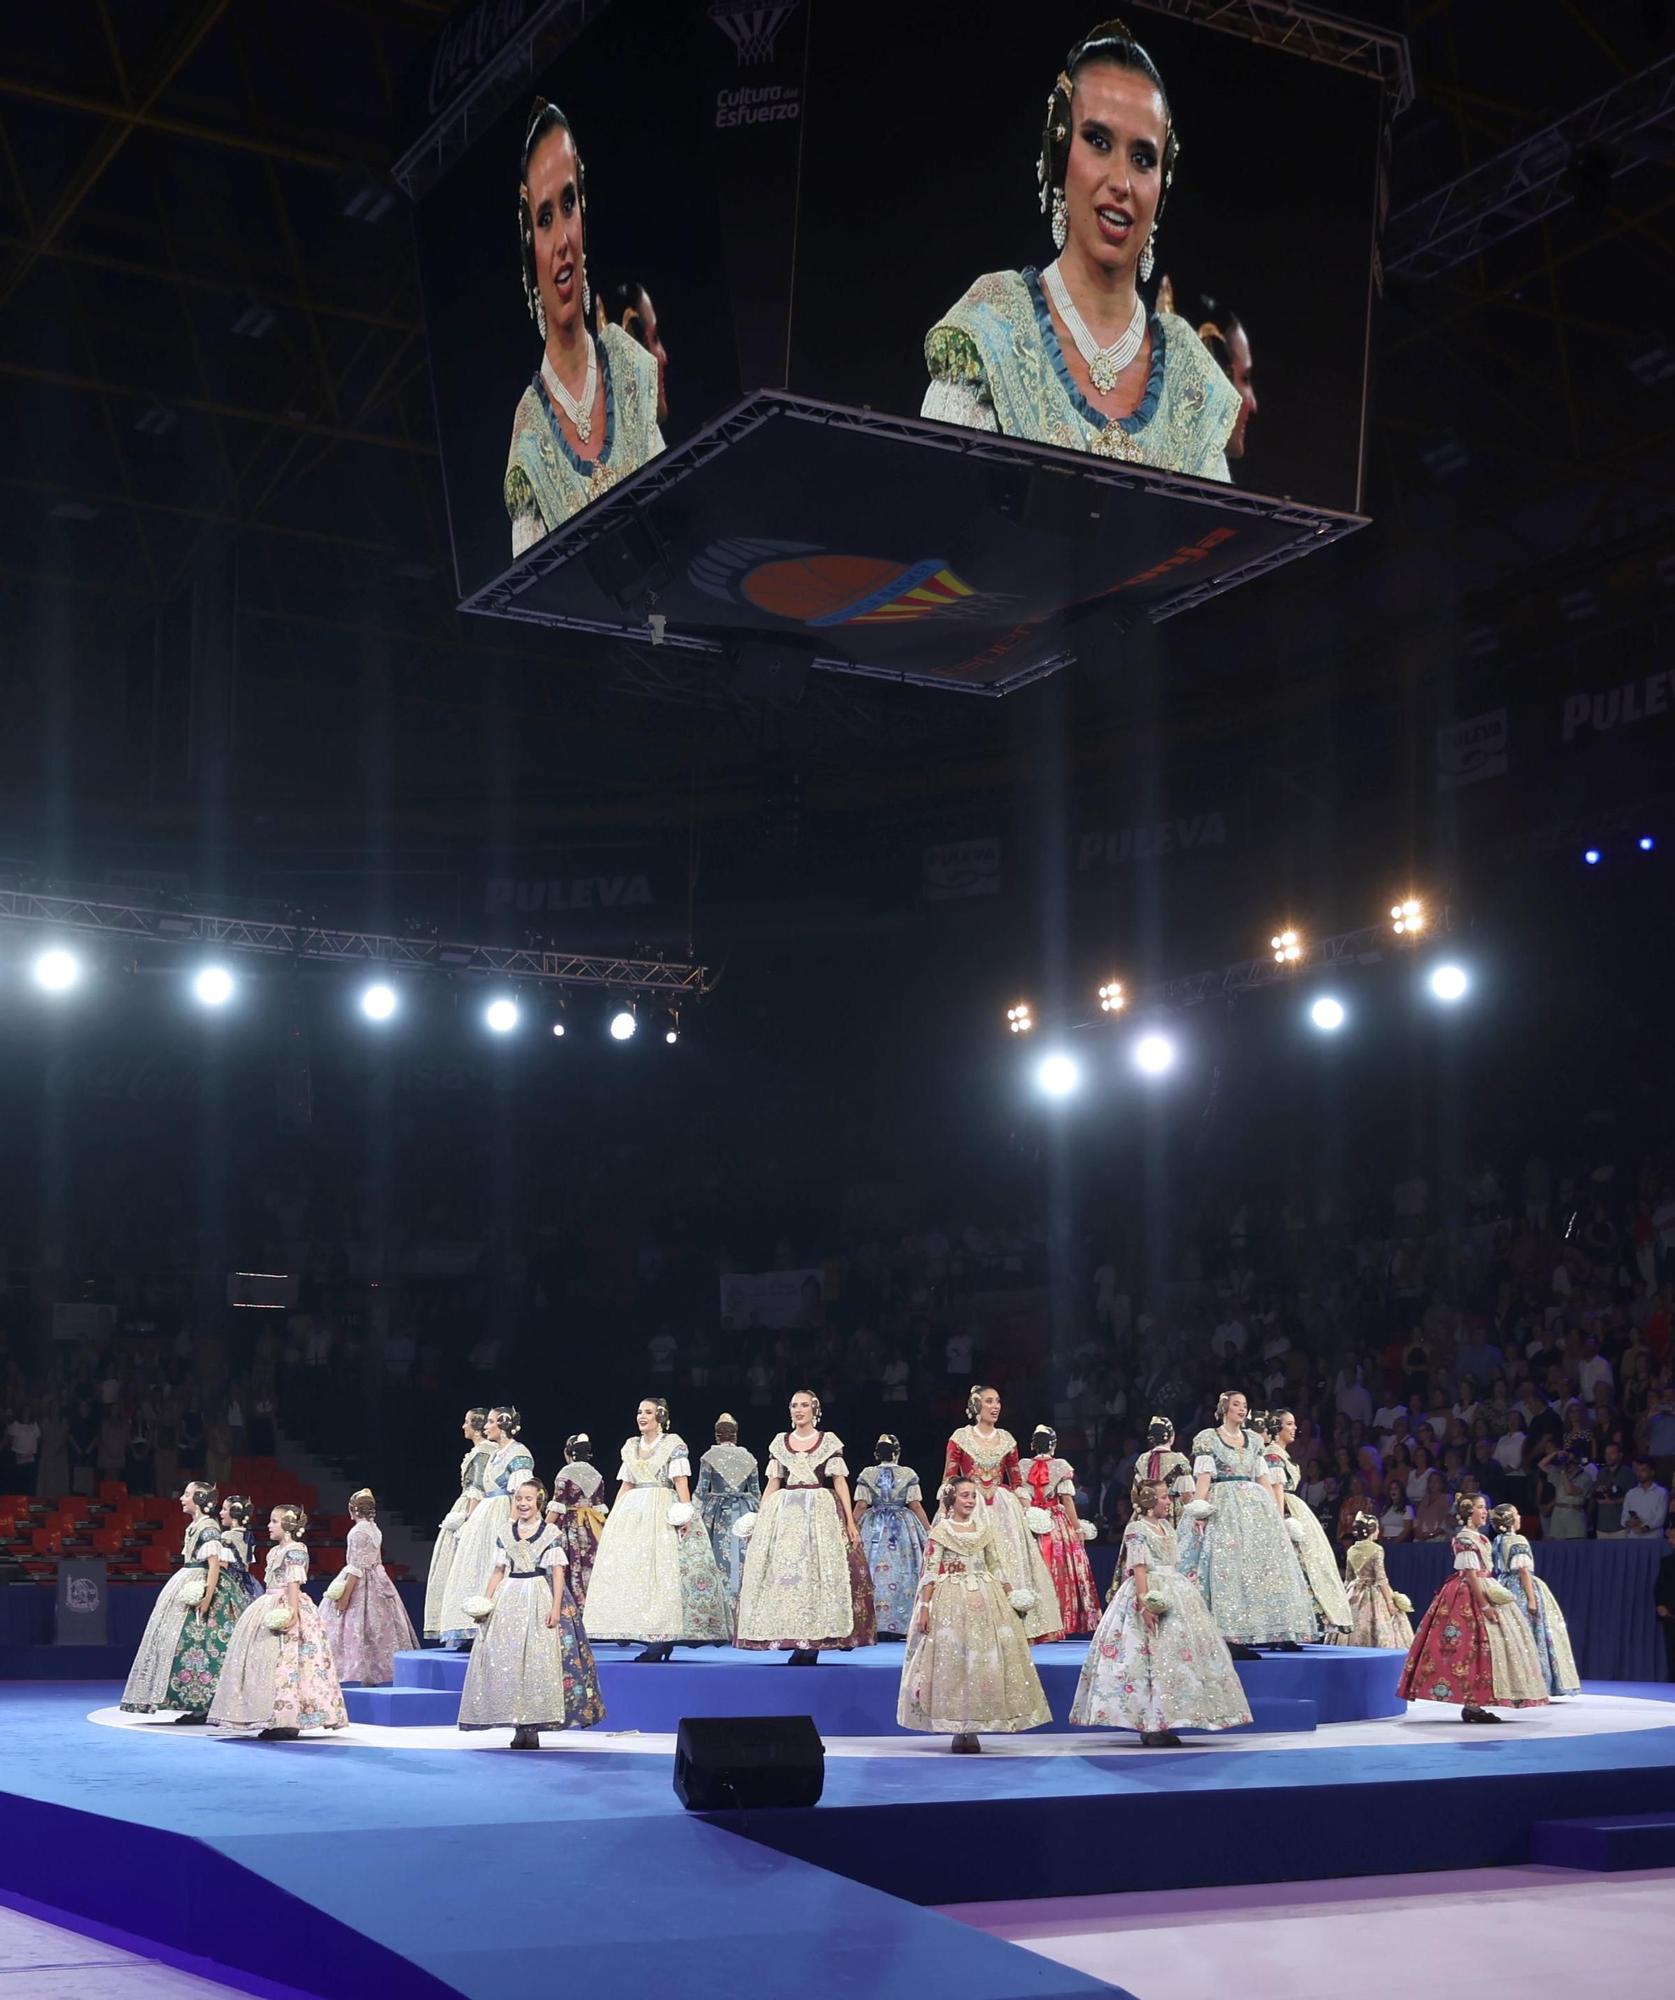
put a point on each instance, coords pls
(212, 363)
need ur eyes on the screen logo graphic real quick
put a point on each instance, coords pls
(751, 29)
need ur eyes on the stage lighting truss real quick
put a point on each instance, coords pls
(1288, 947)
(1407, 918)
(1112, 999)
(1020, 1019)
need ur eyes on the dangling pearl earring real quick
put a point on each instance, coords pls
(1061, 219)
(1148, 255)
(587, 295)
(541, 321)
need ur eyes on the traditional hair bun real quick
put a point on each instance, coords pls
(363, 1502)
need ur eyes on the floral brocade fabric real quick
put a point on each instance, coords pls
(1469, 1651)
(525, 1673)
(280, 1680)
(971, 1670)
(1375, 1618)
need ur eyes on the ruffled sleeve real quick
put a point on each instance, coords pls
(1522, 1560)
(1203, 1464)
(949, 401)
(1136, 1550)
(502, 1554)
(553, 1557)
(909, 1488)
(680, 1463)
(1467, 1555)
(294, 1567)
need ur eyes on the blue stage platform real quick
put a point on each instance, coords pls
(854, 1694)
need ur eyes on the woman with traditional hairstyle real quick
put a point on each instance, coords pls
(1314, 1551)
(1515, 1572)
(1227, 342)
(1157, 1662)
(235, 1544)
(629, 306)
(472, 1468)
(1473, 1645)
(578, 1513)
(1236, 1546)
(729, 1488)
(191, 1625)
(532, 1669)
(806, 1590)
(1163, 1465)
(967, 1667)
(892, 1523)
(655, 1579)
(982, 1451)
(366, 1624)
(589, 415)
(509, 1464)
(1378, 1615)
(279, 1678)
(1048, 1486)
(1069, 355)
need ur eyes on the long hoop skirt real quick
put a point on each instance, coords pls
(799, 1587)
(1179, 1676)
(654, 1583)
(1474, 1654)
(279, 1680)
(1243, 1561)
(526, 1674)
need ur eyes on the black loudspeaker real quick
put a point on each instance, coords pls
(725, 1761)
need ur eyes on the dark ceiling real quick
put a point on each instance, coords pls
(215, 406)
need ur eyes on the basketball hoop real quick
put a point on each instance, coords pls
(750, 28)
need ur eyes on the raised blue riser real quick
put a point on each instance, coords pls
(854, 1694)
(1636, 1840)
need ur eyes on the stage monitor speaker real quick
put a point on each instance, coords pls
(728, 1761)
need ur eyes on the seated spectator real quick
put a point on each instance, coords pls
(1396, 1520)
(1420, 1473)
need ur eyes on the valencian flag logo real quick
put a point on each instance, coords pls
(815, 587)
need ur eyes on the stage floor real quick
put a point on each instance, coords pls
(219, 1847)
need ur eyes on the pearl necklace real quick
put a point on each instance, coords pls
(580, 412)
(1105, 364)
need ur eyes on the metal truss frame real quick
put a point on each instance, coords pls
(1332, 39)
(624, 504)
(80, 916)
(1526, 182)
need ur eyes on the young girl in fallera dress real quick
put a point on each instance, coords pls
(982, 1451)
(579, 1513)
(1047, 1485)
(235, 1544)
(279, 1678)
(1378, 1615)
(532, 1668)
(1157, 1662)
(1515, 1571)
(967, 1668)
(510, 1463)
(1473, 1645)
(891, 1519)
(192, 1623)
(366, 1624)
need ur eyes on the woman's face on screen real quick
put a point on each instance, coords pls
(553, 193)
(1114, 175)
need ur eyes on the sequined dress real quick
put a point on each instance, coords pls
(1375, 1618)
(729, 1487)
(510, 1464)
(577, 1494)
(1046, 1483)
(1314, 1552)
(996, 364)
(1174, 1470)
(653, 1582)
(472, 1467)
(1179, 1675)
(1513, 1559)
(892, 1540)
(1469, 1651)
(280, 1680)
(971, 1671)
(182, 1649)
(525, 1673)
(1241, 1557)
(365, 1639)
(799, 1587)
(993, 1462)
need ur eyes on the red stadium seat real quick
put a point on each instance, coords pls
(112, 1489)
(156, 1560)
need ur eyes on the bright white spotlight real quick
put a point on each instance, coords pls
(623, 1025)
(501, 1015)
(1020, 1019)
(1112, 999)
(56, 971)
(1287, 947)
(1647, 843)
(1407, 916)
(671, 1036)
(1327, 1014)
(1449, 982)
(1591, 856)
(1154, 1054)
(214, 986)
(558, 1029)
(378, 1002)
(1058, 1075)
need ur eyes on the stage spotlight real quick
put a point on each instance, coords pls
(1647, 843)
(1112, 999)
(378, 1002)
(1154, 1054)
(501, 1015)
(623, 1025)
(671, 1033)
(1019, 1019)
(1449, 982)
(56, 971)
(1327, 1014)
(1407, 917)
(1287, 947)
(1059, 1075)
(214, 986)
(558, 1029)
(1591, 856)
